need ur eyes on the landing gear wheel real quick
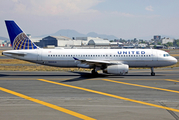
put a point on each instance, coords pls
(94, 72)
(152, 74)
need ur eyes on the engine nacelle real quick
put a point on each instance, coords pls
(117, 69)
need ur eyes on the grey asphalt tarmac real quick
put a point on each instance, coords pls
(78, 95)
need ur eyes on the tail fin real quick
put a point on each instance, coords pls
(18, 38)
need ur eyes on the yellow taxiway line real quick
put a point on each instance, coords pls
(171, 80)
(162, 89)
(110, 95)
(47, 104)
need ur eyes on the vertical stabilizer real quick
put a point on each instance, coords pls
(18, 38)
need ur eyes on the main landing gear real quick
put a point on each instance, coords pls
(152, 71)
(94, 72)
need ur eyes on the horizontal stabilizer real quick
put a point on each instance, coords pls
(14, 53)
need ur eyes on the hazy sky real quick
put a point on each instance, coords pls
(126, 19)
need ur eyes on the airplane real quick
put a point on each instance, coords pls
(111, 61)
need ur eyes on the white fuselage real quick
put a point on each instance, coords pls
(65, 57)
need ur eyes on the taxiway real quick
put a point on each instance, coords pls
(78, 95)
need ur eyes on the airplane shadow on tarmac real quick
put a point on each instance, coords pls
(79, 76)
(85, 76)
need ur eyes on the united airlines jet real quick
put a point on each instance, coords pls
(112, 61)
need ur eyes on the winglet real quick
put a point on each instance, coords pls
(75, 58)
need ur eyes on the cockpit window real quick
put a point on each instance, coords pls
(166, 55)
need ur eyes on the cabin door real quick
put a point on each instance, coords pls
(155, 56)
(39, 56)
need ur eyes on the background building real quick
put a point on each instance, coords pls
(166, 40)
(157, 37)
(62, 41)
(5, 43)
(52, 41)
(96, 41)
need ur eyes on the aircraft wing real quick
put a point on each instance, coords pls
(97, 62)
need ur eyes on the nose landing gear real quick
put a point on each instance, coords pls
(152, 71)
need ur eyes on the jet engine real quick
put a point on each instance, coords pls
(117, 69)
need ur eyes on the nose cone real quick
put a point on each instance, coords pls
(174, 60)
